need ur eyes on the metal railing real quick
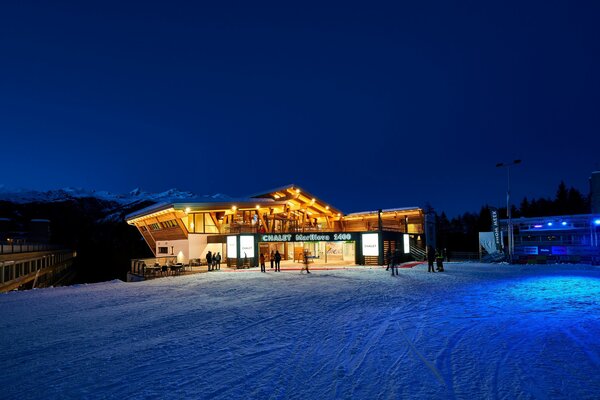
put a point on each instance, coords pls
(14, 248)
(138, 265)
(23, 270)
(417, 252)
(464, 256)
(249, 228)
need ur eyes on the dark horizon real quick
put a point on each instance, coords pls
(390, 105)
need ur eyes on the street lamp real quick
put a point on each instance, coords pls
(508, 212)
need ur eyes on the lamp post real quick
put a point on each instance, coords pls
(508, 211)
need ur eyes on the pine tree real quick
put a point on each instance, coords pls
(577, 204)
(561, 204)
(525, 208)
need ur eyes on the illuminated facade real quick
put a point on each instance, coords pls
(567, 238)
(286, 219)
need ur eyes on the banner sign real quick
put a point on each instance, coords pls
(231, 247)
(307, 237)
(559, 250)
(531, 250)
(246, 246)
(496, 228)
(370, 244)
(406, 244)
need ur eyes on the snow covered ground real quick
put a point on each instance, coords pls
(475, 331)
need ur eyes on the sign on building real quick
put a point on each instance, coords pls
(370, 244)
(232, 247)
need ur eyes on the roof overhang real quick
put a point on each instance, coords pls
(404, 211)
(299, 198)
(190, 207)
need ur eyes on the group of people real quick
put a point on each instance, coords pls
(275, 258)
(437, 256)
(213, 261)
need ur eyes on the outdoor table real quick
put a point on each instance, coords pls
(152, 269)
(176, 269)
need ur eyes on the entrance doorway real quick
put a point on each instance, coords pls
(322, 253)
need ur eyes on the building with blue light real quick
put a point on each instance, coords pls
(595, 192)
(557, 239)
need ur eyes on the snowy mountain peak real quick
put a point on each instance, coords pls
(69, 193)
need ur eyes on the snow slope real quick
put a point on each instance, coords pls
(477, 331)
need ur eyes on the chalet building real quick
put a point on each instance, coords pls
(286, 219)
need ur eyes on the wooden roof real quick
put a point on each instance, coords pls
(298, 198)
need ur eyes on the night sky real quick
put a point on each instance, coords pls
(366, 105)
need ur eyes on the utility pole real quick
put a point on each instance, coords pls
(508, 210)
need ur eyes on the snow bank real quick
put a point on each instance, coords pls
(475, 331)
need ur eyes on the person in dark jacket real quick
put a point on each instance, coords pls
(262, 262)
(389, 259)
(430, 259)
(209, 260)
(218, 260)
(277, 261)
(272, 258)
(395, 261)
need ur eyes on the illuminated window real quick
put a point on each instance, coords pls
(209, 225)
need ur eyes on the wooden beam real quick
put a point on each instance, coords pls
(272, 215)
(151, 236)
(262, 221)
(182, 226)
(216, 221)
(286, 225)
(303, 219)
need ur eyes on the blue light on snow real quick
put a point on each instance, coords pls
(549, 223)
(563, 223)
(541, 302)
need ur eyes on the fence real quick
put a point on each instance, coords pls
(40, 267)
(14, 248)
(463, 256)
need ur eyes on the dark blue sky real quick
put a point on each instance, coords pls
(367, 105)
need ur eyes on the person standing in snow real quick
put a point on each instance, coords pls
(439, 260)
(209, 260)
(218, 261)
(272, 258)
(395, 260)
(430, 258)
(277, 261)
(262, 262)
(389, 259)
(306, 262)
